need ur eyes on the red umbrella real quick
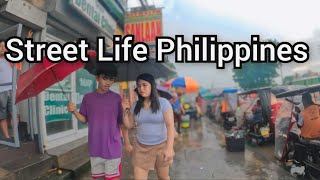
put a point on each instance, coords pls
(168, 83)
(43, 75)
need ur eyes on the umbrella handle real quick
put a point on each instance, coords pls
(64, 93)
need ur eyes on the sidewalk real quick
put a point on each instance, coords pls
(201, 154)
(24, 162)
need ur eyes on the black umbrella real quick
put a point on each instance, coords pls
(128, 71)
(274, 90)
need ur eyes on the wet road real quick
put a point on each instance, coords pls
(201, 154)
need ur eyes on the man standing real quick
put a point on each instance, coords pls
(177, 110)
(5, 90)
(6, 87)
(102, 110)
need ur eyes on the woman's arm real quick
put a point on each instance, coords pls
(168, 118)
(128, 119)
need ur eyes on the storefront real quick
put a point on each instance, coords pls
(16, 19)
(65, 21)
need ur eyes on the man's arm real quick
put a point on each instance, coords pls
(299, 120)
(80, 117)
(169, 121)
(72, 108)
(182, 108)
(126, 144)
(125, 134)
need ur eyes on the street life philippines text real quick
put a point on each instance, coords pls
(203, 49)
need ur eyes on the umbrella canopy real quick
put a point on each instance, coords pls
(163, 92)
(299, 91)
(203, 91)
(209, 96)
(42, 75)
(130, 70)
(189, 84)
(232, 90)
(168, 83)
(275, 90)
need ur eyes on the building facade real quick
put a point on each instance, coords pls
(62, 21)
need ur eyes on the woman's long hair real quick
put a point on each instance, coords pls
(154, 97)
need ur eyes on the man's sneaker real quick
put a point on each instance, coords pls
(297, 170)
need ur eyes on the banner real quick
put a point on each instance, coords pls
(144, 25)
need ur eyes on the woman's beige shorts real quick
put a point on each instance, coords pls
(149, 157)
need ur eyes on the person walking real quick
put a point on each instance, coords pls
(153, 115)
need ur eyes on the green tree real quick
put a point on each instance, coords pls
(255, 75)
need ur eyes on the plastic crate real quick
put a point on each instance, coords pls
(235, 141)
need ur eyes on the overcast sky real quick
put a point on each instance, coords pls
(237, 20)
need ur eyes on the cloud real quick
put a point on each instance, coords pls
(292, 19)
(133, 3)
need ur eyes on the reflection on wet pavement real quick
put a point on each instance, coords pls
(200, 154)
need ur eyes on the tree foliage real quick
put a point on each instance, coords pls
(255, 75)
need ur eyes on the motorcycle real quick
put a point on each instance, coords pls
(258, 133)
(288, 135)
(311, 149)
(262, 131)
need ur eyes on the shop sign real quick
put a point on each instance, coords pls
(96, 14)
(144, 25)
(56, 106)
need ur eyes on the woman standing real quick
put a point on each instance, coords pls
(153, 115)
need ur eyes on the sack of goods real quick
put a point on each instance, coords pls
(235, 140)
(185, 123)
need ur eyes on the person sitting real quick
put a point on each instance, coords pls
(308, 120)
(257, 114)
(255, 118)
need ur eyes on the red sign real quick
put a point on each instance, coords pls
(144, 25)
